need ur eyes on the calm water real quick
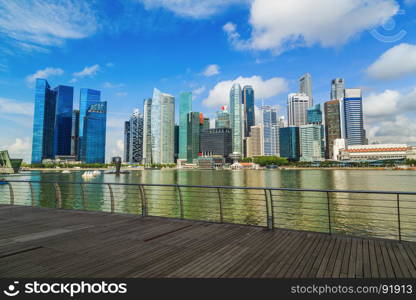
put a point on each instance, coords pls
(359, 214)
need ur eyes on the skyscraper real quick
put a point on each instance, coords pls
(194, 132)
(216, 142)
(255, 144)
(289, 143)
(147, 131)
(297, 105)
(332, 125)
(75, 133)
(311, 143)
(163, 127)
(126, 155)
(87, 97)
(43, 122)
(136, 137)
(269, 134)
(223, 118)
(353, 117)
(305, 87)
(248, 104)
(236, 118)
(63, 120)
(185, 107)
(314, 114)
(337, 89)
(93, 142)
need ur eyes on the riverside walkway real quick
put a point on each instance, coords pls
(45, 242)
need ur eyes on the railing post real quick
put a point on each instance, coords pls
(398, 218)
(84, 198)
(180, 201)
(269, 222)
(271, 209)
(144, 202)
(11, 194)
(32, 194)
(220, 203)
(329, 212)
(111, 197)
(58, 198)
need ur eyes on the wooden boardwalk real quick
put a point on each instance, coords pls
(41, 242)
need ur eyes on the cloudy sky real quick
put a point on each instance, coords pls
(125, 48)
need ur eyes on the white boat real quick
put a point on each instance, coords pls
(90, 174)
(65, 172)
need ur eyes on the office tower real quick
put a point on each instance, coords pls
(176, 142)
(63, 120)
(305, 87)
(163, 128)
(194, 131)
(269, 137)
(126, 155)
(281, 122)
(136, 137)
(75, 133)
(87, 97)
(338, 145)
(43, 122)
(223, 118)
(205, 125)
(297, 105)
(255, 144)
(353, 117)
(94, 133)
(332, 125)
(275, 132)
(185, 107)
(337, 89)
(147, 131)
(311, 142)
(236, 119)
(216, 141)
(289, 143)
(248, 106)
(314, 114)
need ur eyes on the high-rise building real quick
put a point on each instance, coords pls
(94, 133)
(353, 117)
(43, 122)
(216, 141)
(87, 97)
(314, 114)
(147, 131)
(176, 142)
(276, 139)
(194, 133)
(289, 143)
(163, 128)
(269, 118)
(255, 144)
(236, 118)
(126, 155)
(63, 120)
(297, 106)
(332, 125)
(75, 133)
(305, 87)
(337, 89)
(136, 137)
(248, 106)
(223, 118)
(205, 124)
(185, 107)
(311, 142)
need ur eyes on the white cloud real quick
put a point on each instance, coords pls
(381, 105)
(20, 148)
(265, 89)
(211, 70)
(395, 62)
(88, 71)
(36, 23)
(45, 74)
(73, 80)
(285, 24)
(193, 8)
(112, 85)
(9, 106)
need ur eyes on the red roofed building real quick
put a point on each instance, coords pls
(375, 152)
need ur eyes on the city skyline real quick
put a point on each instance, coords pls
(135, 62)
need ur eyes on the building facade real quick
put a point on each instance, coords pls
(223, 118)
(93, 145)
(63, 120)
(255, 143)
(375, 152)
(147, 131)
(185, 107)
(297, 106)
(314, 114)
(216, 142)
(289, 143)
(194, 132)
(126, 155)
(332, 126)
(311, 142)
(136, 137)
(163, 128)
(75, 133)
(305, 87)
(248, 105)
(236, 119)
(353, 117)
(337, 89)
(269, 117)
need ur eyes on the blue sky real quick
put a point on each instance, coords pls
(125, 48)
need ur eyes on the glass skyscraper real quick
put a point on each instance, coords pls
(194, 132)
(136, 137)
(353, 117)
(332, 125)
(305, 87)
(185, 107)
(311, 142)
(163, 128)
(93, 142)
(43, 122)
(297, 106)
(63, 120)
(270, 147)
(248, 102)
(289, 143)
(75, 133)
(236, 118)
(127, 141)
(223, 118)
(314, 114)
(147, 132)
(337, 89)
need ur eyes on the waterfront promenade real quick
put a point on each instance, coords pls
(46, 242)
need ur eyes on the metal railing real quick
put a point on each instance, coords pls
(385, 214)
